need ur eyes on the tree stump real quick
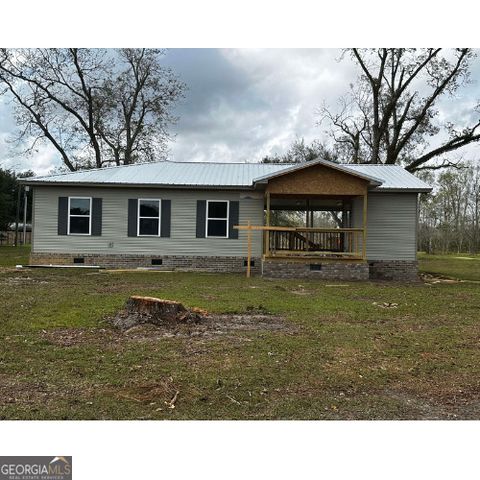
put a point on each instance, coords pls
(160, 312)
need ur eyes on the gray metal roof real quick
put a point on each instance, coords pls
(222, 175)
(194, 174)
(394, 177)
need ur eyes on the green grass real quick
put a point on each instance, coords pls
(11, 256)
(342, 357)
(460, 265)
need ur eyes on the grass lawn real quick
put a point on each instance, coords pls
(11, 256)
(342, 356)
(459, 265)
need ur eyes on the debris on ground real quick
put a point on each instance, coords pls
(385, 304)
(434, 279)
(20, 279)
(173, 401)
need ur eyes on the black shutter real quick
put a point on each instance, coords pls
(96, 217)
(62, 215)
(233, 219)
(132, 217)
(201, 217)
(165, 218)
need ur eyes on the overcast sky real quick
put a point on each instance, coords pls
(244, 104)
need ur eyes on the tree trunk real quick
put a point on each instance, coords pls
(163, 310)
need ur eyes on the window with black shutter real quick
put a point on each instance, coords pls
(79, 215)
(217, 218)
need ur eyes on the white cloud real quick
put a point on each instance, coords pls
(272, 102)
(43, 161)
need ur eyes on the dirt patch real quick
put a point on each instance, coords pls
(21, 280)
(209, 327)
(439, 401)
(69, 337)
(172, 319)
(14, 390)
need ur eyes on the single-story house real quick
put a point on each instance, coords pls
(195, 216)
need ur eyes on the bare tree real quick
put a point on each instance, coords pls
(390, 114)
(96, 107)
(301, 152)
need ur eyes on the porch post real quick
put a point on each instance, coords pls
(306, 212)
(267, 222)
(364, 238)
(249, 249)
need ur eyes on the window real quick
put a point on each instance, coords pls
(79, 215)
(148, 217)
(217, 218)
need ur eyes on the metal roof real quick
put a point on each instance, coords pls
(394, 177)
(222, 175)
(194, 174)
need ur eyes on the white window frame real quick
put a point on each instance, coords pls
(80, 216)
(159, 216)
(207, 218)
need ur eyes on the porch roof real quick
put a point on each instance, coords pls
(382, 178)
(374, 181)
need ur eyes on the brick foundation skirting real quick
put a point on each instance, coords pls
(399, 270)
(316, 269)
(169, 262)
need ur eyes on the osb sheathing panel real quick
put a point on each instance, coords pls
(318, 180)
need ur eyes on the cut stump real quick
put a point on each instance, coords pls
(159, 311)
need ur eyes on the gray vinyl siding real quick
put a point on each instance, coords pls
(182, 241)
(391, 225)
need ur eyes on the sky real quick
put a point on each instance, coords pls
(244, 104)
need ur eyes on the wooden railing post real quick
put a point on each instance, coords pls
(364, 238)
(267, 222)
(249, 248)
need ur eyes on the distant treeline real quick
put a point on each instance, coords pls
(9, 187)
(449, 219)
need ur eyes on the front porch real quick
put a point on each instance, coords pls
(321, 232)
(314, 227)
(315, 236)
(314, 214)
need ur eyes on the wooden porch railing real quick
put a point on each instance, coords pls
(346, 243)
(319, 242)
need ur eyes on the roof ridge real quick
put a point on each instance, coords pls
(371, 165)
(101, 168)
(178, 162)
(227, 163)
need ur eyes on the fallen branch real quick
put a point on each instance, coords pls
(233, 400)
(171, 403)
